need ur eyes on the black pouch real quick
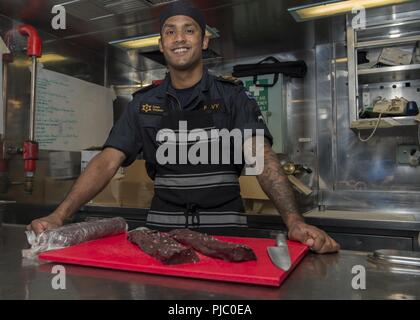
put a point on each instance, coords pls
(270, 65)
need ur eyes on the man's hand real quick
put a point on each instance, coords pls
(46, 223)
(315, 238)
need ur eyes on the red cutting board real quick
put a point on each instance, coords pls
(117, 252)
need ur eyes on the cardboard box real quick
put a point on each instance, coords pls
(55, 190)
(254, 206)
(134, 189)
(131, 188)
(137, 189)
(110, 196)
(255, 199)
(64, 164)
(251, 189)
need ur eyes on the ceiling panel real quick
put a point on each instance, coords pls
(247, 28)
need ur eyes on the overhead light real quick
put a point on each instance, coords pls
(52, 57)
(138, 43)
(395, 35)
(152, 41)
(334, 7)
(49, 57)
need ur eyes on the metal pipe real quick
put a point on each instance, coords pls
(4, 98)
(106, 67)
(30, 148)
(33, 100)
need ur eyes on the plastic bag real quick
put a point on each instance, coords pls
(72, 234)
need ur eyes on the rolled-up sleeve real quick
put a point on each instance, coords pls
(247, 115)
(125, 134)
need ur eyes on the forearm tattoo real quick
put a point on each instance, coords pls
(277, 186)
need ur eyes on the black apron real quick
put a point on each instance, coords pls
(194, 195)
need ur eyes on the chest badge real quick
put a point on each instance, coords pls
(213, 107)
(151, 108)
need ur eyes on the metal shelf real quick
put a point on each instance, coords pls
(386, 42)
(386, 123)
(385, 77)
(405, 126)
(389, 74)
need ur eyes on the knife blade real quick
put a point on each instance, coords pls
(279, 255)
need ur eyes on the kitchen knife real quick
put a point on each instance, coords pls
(279, 255)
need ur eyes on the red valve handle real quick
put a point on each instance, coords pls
(34, 41)
(30, 155)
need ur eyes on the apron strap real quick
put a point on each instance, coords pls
(191, 209)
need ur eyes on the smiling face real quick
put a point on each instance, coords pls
(181, 43)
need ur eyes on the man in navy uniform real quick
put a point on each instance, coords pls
(199, 195)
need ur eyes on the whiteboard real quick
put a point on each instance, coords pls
(71, 114)
(1, 96)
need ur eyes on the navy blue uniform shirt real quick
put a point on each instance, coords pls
(135, 131)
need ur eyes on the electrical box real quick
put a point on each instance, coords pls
(404, 151)
(272, 103)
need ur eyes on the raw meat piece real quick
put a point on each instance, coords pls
(212, 247)
(162, 247)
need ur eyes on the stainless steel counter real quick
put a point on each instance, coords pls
(317, 277)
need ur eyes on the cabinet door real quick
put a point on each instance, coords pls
(364, 242)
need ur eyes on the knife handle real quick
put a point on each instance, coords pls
(281, 239)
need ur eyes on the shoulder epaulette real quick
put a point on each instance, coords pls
(145, 89)
(230, 79)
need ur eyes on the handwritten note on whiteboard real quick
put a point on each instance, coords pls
(71, 114)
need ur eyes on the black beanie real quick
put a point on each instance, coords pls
(180, 8)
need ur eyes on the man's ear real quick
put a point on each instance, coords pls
(160, 44)
(206, 40)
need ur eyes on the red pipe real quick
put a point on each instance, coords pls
(30, 155)
(34, 40)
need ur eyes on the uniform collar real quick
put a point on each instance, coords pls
(203, 86)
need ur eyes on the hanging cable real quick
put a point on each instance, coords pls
(372, 133)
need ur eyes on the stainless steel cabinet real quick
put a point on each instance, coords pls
(371, 76)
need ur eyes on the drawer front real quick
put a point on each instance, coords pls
(363, 242)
